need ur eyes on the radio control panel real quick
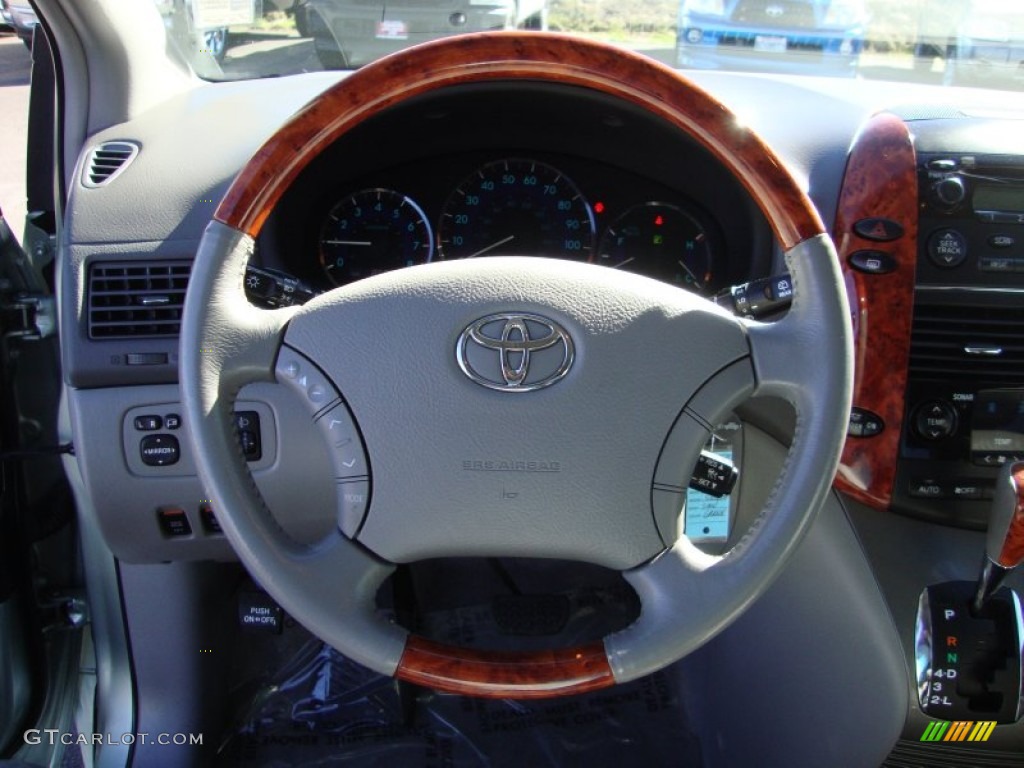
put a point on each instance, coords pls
(971, 220)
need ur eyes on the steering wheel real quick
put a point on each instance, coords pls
(494, 407)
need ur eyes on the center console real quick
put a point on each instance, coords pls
(964, 413)
(940, 324)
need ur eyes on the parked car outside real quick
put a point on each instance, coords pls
(990, 43)
(348, 33)
(21, 17)
(776, 35)
(202, 28)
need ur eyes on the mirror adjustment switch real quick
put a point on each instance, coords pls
(159, 450)
(148, 423)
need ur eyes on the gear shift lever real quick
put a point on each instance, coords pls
(1004, 547)
(969, 638)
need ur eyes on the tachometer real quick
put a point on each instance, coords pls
(517, 207)
(371, 231)
(660, 241)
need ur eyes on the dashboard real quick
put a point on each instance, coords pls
(459, 207)
(471, 172)
(466, 189)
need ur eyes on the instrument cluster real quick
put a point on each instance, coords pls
(516, 205)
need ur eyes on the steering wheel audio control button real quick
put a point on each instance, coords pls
(335, 422)
(347, 454)
(353, 500)
(305, 378)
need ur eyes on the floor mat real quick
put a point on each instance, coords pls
(317, 708)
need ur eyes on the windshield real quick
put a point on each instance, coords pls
(953, 42)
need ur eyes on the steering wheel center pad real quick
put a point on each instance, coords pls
(564, 471)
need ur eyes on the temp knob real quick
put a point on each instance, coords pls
(935, 420)
(949, 192)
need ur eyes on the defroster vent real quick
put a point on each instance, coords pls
(984, 344)
(137, 300)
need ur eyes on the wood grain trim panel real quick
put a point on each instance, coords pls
(504, 56)
(1012, 553)
(505, 674)
(880, 181)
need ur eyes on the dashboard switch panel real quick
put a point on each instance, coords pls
(174, 522)
(148, 423)
(150, 452)
(864, 423)
(209, 519)
(878, 229)
(872, 262)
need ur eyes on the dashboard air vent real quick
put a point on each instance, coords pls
(976, 343)
(136, 299)
(106, 161)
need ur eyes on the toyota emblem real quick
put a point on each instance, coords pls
(515, 352)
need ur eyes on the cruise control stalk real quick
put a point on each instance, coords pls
(758, 298)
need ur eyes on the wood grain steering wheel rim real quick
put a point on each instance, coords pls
(497, 56)
(473, 59)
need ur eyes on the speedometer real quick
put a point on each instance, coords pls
(516, 207)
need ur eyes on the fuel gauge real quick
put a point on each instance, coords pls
(661, 241)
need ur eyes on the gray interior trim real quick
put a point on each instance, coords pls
(687, 595)
(116, 90)
(295, 476)
(225, 343)
(15, 687)
(813, 673)
(115, 697)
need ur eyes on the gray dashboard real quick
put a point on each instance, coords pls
(154, 212)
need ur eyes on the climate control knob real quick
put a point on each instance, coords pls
(935, 420)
